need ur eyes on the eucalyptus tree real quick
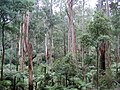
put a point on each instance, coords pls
(108, 42)
(9, 10)
(71, 46)
(99, 28)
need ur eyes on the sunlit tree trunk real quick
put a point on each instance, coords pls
(20, 40)
(25, 38)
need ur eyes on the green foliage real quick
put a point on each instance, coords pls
(100, 25)
(65, 73)
(5, 84)
(106, 80)
(86, 40)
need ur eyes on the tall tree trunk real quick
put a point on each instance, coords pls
(20, 40)
(83, 68)
(17, 50)
(23, 56)
(83, 11)
(102, 55)
(25, 38)
(3, 51)
(97, 49)
(71, 46)
(107, 8)
(108, 43)
(11, 58)
(76, 61)
(118, 45)
(51, 34)
(83, 29)
(46, 49)
(30, 66)
(51, 45)
(64, 39)
(108, 53)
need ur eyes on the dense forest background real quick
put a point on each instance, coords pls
(59, 45)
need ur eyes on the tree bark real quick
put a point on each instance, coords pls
(64, 39)
(108, 43)
(83, 68)
(102, 55)
(30, 66)
(17, 50)
(3, 50)
(25, 38)
(46, 49)
(71, 46)
(20, 40)
(107, 8)
(83, 22)
(51, 41)
(23, 56)
(51, 35)
(97, 49)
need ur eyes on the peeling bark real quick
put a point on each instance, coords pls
(25, 38)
